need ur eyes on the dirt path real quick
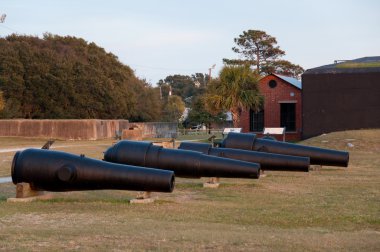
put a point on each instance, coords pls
(5, 180)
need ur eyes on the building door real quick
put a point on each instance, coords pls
(288, 116)
(256, 121)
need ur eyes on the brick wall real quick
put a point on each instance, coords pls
(273, 97)
(91, 129)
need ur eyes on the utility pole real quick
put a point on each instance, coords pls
(2, 18)
(170, 90)
(209, 72)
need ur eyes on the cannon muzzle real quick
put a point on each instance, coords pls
(267, 161)
(318, 156)
(58, 171)
(184, 163)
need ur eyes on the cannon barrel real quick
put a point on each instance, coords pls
(184, 163)
(58, 171)
(267, 161)
(318, 156)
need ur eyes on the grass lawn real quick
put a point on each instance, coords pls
(334, 209)
(358, 65)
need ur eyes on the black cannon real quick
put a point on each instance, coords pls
(58, 171)
(184, 163)
(318, 156)
(267, 161)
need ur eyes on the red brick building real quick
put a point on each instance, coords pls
(282, 107)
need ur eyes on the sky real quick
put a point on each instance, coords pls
(157, 38)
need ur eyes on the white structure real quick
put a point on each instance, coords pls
(2, 18)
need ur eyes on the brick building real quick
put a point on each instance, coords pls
(282, 107)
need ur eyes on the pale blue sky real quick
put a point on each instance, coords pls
(163, 37)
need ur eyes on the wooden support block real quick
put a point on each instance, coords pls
(24, 200)
(143, 195)
(262, 173)
(142, 198)
(316, 168)
(25, 193)
(24, 190)
(212, 183)
(31, 199)
(141, 201)
(213, 180)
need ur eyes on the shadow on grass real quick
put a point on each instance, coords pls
(164, 201)
(76, 200)
(198, 185)
(234, 185)
(103, 200)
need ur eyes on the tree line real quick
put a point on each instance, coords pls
(67, 77)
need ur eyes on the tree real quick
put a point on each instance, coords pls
(2, 101)
(67, 77)
(173, 109)
(257, 48)
(183, 85)
(149, 104)
(283, 67)
(199, 115)
(236, 89)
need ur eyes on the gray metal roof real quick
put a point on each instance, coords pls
(360, 65)
(367, 59)
(290, 80)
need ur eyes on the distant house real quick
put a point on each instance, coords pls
(341, 96)
(185, 114)
(282, 107)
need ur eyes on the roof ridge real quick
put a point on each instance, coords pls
(359, 65)
(291, 80)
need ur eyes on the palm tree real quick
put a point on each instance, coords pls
(235, 90)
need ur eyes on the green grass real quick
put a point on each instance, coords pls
(358, 65)
(334, 209)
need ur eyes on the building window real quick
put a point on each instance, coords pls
(288, 116)
(272, 83)
(256, 120)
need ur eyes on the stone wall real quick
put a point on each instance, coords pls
(91, 129)
(157, 129)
